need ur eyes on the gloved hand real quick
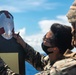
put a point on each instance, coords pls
(19, 40)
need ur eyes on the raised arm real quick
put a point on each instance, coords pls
(32, 56)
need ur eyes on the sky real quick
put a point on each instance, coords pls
(33, 18)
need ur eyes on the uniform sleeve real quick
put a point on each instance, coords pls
(35, 58)
(5, 70)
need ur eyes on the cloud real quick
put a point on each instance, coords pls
(33, 40)
(9, 8)
(36, 39)
(23, 32)
(46, 24)
(27, 5)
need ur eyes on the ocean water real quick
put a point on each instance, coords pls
(30, 70)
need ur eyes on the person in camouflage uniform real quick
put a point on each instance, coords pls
(71, 15)
(60, 60)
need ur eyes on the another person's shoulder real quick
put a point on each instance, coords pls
(66, 66)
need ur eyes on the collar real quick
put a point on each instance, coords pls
(69, 54)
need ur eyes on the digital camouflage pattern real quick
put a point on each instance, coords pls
(63, 67)
(71, 15)
(66, 66)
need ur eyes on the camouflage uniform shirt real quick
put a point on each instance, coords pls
(43, 64)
